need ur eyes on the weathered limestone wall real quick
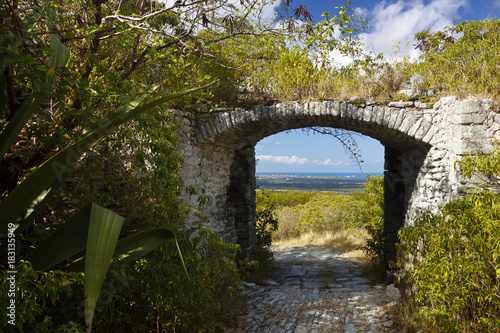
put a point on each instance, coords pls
(206, 174)
(463, 126)
(422, 143)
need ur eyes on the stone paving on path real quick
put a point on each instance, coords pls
(315, 290)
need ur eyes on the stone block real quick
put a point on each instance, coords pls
(316, 108)
(390, 249)
(392, 294)
(399, 120)
(401, 104)
(423, 130)
(387, 117)
(414, 128)
(474, 132)
(325, 109)
(379, 111)
(421, 105)
(406, 124)
(335, 109)
(393, 120)
(367, 113)
(412, 94)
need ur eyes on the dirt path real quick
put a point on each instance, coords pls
(316, 290)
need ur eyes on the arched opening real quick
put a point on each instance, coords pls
(225, 158)
(400, 167)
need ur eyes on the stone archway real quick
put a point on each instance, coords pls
(421, 144)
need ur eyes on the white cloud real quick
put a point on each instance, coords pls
(283, 159)
(295, 160)
(399, 21)
(327, 162)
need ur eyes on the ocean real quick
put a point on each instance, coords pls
(313, 181)
(349, 175)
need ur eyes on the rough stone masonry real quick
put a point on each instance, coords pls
(422, 142)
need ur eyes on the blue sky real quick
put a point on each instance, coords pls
(391, 21)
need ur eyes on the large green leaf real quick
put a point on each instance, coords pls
(69, 239)
(132, 248)
(104, 228)
(61, 52)
(4, 96)
(16, 124)
(29, 197)
(98, 228)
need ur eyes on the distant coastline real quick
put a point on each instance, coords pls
(313, 181)
(353, 175)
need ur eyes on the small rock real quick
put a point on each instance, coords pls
(312, 284)
(388, 323)
(334, 285)
(250, 285)
(350, 328)
(392, 304)
(297, 271)
(428, 92)
(412, 94)
(314, 272)
(401, 104)
(421, 105)
(371, 101)
(392, 294)
(270, 282)
(358, 280)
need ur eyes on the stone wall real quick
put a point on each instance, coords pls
(422, 143)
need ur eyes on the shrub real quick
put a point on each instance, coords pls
(154, 294)
(300, 213)
(162, 297)
(463, 66)
(371, 216)
(267, 223)
(451, 262)
(45, 301)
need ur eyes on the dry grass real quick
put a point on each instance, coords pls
(347, 242)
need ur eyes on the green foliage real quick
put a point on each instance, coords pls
(371, 216)
(462, 66)
(161, 295)
(267, 199)
(266, 225)
(28, 198)
(481, 164)
(283, 73)
(300, 213)
(324, 212)
(451, 261)
(81, 61)
(40, 296)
